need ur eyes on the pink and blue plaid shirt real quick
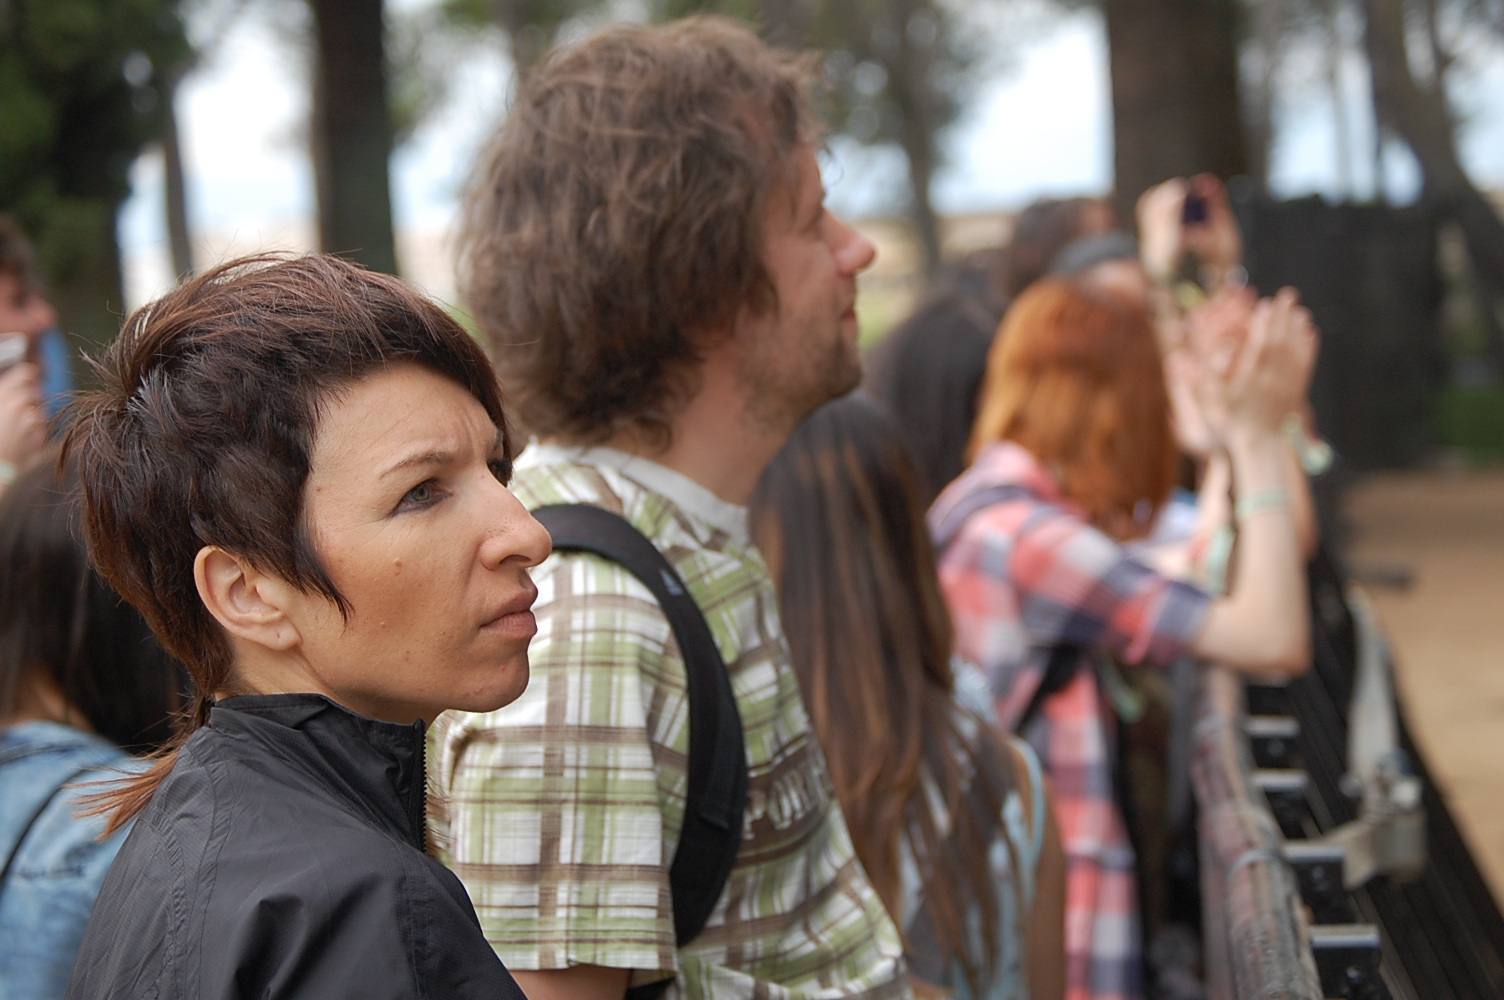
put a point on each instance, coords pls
(1029, 573)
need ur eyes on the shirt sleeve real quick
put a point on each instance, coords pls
(1076, 585)
(560, 812)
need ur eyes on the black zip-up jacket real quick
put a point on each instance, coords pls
(283, 858)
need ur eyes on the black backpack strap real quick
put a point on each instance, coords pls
(1058, 672)
(717, 794)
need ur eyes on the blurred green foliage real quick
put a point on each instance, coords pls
(1471, 421)
(79, 98)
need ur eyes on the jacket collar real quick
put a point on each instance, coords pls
(376, 766)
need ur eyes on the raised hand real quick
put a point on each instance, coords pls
(23, 423)
(1217, 241)
(1272, 372)
(1160, 236)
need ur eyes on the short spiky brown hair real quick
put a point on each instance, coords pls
(617, 214)
(203, 429)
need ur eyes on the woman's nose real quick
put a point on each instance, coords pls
(514, 534)
(535, 544)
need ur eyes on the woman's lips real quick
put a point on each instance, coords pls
(516, 618)
(513, 625)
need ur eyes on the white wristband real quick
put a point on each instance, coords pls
(1260, 501)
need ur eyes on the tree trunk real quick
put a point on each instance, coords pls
(1420, 116)
(179, 236)
(1340, 129)
(526, 41)
(919, 149)
(352, 133)
(912, 88)
(1175, 101)
(1268, 28)
(85, 286)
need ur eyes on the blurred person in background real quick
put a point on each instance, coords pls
(1189, 234)
(34, 380)
(950, 820)
(83, 687)
(1073, 455)
(23, 422)
(928, 370)
(1186, 268)
(647, 246)
(24, 309)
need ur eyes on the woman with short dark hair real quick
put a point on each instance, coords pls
(296, 470)
(82, 687)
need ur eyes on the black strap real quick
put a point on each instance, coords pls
(10, 859)
(717, 795)
(1058, 672)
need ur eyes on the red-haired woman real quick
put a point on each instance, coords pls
(1073, 455)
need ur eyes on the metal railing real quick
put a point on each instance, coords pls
(1256, 939)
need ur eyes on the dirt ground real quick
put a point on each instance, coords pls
(1447, 631)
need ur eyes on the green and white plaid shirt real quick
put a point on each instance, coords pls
(561, 812)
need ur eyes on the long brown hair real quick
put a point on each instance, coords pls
(838, 517)
(57, 617)
(203, 429)
(1075, 376)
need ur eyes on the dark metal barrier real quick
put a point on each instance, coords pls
(1441, 933)
(1292, 905)
(1369, 275)
(1255, 935)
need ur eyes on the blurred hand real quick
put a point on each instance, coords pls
(1217, 329)
(1195, 432)
(1217, 242)
(1306, 328)
(1215, 333)
(1273, 370)
(1160, 237)
(23, 423)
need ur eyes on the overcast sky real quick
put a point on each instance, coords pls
(1041, 125)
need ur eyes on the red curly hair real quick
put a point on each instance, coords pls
(1075, 376)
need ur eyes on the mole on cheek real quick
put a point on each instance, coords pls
(397, 565)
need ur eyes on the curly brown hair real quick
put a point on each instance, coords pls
(616, 219)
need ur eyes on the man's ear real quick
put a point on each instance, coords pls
(248, 603)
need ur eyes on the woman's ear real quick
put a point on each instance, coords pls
(251, 605)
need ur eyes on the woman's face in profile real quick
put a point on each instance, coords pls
(408, 509)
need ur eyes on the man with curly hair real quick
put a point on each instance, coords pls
(647, 250)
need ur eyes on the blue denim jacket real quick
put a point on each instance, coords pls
(48, 893)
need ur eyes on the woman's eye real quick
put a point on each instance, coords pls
(420, 494)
